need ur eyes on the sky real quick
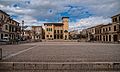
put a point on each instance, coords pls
(82, 13)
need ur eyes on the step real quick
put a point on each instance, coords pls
(58, 66)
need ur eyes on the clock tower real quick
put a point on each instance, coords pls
(65, 21)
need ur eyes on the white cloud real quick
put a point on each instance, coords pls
(89, 22)
(102, 10)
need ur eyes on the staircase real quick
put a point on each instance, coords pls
(59, 67)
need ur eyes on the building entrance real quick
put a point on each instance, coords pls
(115, 37)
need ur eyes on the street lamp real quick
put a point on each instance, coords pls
(22, 27)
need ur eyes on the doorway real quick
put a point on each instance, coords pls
(115, 38)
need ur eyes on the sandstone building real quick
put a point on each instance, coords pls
(104, 32)
(37, 32)
(9, 28)
(57, 30)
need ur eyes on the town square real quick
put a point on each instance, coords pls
(59, 36)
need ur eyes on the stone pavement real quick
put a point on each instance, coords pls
(62, 52)
(11, 49)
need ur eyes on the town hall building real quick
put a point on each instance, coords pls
(57, 30)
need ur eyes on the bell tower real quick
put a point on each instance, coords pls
(65, 21)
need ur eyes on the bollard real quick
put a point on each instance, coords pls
(0, 53)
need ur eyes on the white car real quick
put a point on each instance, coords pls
(5, 39)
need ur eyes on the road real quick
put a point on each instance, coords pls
(61, 52)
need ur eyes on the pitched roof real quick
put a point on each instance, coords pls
(116, 15)
(4, 12)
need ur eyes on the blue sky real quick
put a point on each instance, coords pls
(82, 13)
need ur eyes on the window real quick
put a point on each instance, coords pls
(6, 27)
(1, 36)
(51, 29)
(3, 17)
(47, 35)
(103, 38)
(49, 25)
(119, 27)
(61, 36)
(16, 29)
(100, 37)
(47, 29)
(115, 20)
(119, 18)
(6, 35)
(106, 29)
(57, 36)
(54, 31)
(61, 31)
(12, 29)
(106, 38)
(103, 29)
(57, 31)
(115, 28)
(109, 28)
(12, 22)
(92, 30)
(100, 30)
(109, 37)
(54, 36)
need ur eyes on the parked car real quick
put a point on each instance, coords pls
(5, 39)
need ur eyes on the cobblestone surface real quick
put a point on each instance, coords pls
(11, 49)
(63, 52)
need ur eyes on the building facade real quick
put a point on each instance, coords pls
(9, 28)
(57, 30)
(27, 35)
(105, 32)
(74, 34)
(90, 33)
(116, 27)
(37, 32)
(98, 32)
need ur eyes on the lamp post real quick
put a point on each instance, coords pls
(22, 29)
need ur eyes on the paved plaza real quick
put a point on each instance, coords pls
(60, 57)
(61, 52)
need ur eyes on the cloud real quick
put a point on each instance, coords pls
(89, 22)
(37, 12)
